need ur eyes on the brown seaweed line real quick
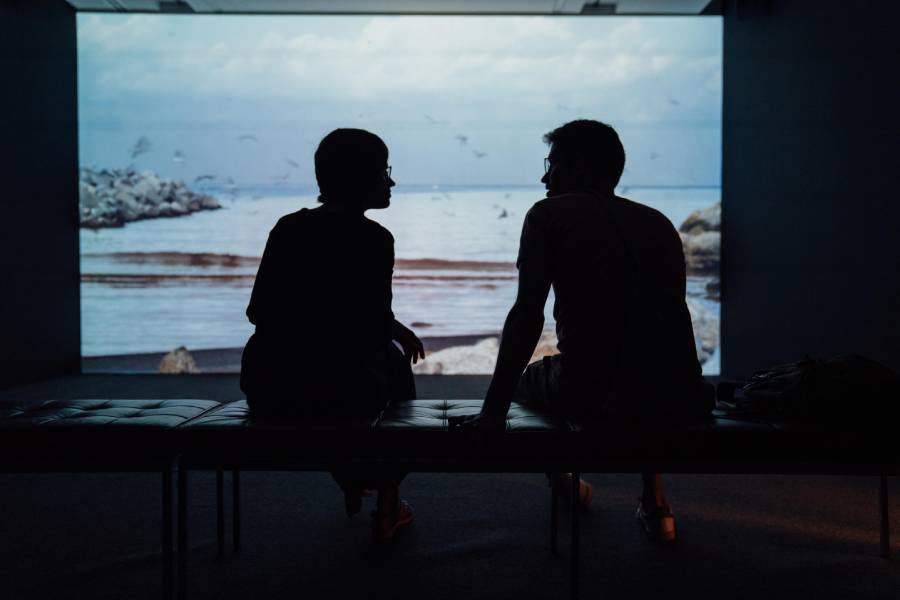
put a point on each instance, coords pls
(208, 259)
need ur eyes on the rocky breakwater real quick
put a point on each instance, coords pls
(113, 197)
(701, 237)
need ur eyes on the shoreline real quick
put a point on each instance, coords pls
(228, 360)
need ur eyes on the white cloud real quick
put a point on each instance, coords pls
(385, 60)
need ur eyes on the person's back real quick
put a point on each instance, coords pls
(625, 336)
(321, 304)
(623, 327)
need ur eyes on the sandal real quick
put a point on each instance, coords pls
(385, 525)
(656, 521)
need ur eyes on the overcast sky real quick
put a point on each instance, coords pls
(458, 100)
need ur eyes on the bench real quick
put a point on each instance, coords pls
(185, 435)
(415, 435)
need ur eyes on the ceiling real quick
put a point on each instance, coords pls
(540, 7)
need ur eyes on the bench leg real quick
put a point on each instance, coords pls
(167, 538)
(220, 512)
(182, 533)
(554, 513)
(573, 558)
(884, 516)
(236, 509)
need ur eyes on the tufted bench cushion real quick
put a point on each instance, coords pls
(415, 429)
(434, 415)
(417, 433)
(115, 413)
(93, 433)
(230, 435)
(236, 415)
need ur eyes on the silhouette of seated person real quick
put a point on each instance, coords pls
(625, 339)
(321, 304)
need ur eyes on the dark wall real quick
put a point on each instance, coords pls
(39, 304)
(811, 181)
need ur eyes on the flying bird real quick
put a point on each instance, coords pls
(462, 139)
(503, 214)
(141, 146)
(178, 156)
(654, 156)
(479, 154)
(292, 162)
(200, 178)
(674, 102)
(247, 138)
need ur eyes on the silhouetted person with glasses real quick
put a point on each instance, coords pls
(321, 304)
(624, 331)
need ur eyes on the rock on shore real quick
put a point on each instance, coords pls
(706, 330)
(113, 197)
(701, 238)
(178, 362)
(477, 359)
(480, 358)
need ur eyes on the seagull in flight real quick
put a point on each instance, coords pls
(674, 102)
(178, 156)
(200, 178)
(292, 162)
(141, 146)
(462, 139)
(479, 154)
(247, 138)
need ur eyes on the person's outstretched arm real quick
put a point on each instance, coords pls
(525, 320)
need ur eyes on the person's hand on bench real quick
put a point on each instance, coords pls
(481, 422)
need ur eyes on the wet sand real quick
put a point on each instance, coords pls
(228, 360)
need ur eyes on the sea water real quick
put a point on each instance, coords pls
(157, 284)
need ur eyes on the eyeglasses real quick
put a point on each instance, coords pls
(546, 165)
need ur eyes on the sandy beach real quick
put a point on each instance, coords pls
(228, 360)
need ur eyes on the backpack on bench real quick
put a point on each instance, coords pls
(848, 387)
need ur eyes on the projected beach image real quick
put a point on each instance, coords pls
(197, 133)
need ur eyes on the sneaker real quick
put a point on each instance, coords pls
(385, 525)
(564, 483)
(658, 523)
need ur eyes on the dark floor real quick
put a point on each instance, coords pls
(475, 536)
